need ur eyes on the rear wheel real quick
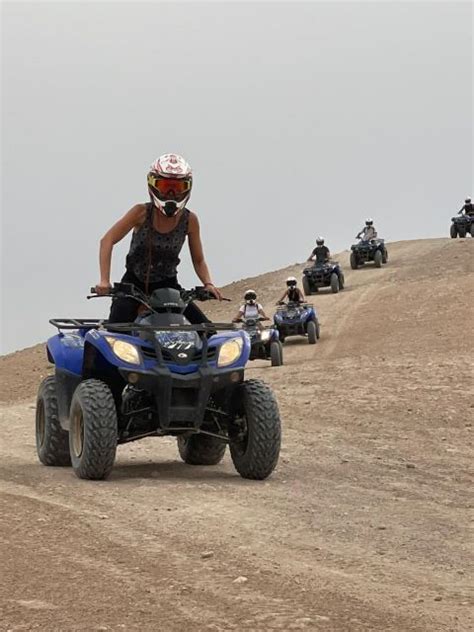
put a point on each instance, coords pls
(472, 229)
(378, 259)
(201, 449)
(318, 330)
(312, 332)
(462, 231)
(276, 353)
(52, 443)
(306, 286)
(354, 261)
(93, 432)
(256, 431)
(453, 231)
(342, 281)
(334, 283)
(384, 255)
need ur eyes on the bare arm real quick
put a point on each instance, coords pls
(262, 313)
(134, 217)
(301, 295)
(197, 256)
(238, 317)
(311, 257)
(285, 294)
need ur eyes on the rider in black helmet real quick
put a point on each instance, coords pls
(468, 208)
(321, 253)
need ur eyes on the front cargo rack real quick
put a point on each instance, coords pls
(95, 323)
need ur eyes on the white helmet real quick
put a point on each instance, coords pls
(369, 221)
(250, 296)
(170, 181)
(291, 281)
(319, 241)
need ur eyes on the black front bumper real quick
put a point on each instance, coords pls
(291, 329)
(182, 398)
(260, 350)
(319, 278)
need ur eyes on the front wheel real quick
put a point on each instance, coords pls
(354, 261)
(51, 440)
(201, 449)
(334, 283)
(462, 231)
(453, 231)
(312, 332)
(276, 353)
(255, 433)
(378, 259)
(306, 286)
(93, 431)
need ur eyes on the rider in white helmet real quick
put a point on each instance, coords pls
(250, 309)
(159, 229)
(292, 292)
(368, 232)
(321, 253)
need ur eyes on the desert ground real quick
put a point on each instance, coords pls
(366, 524)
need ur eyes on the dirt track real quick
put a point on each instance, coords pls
(363, 526)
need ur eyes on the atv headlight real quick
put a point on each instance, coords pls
(230, 352)
(124, 350)
(266, 335)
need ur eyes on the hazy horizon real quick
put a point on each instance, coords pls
(298, 118)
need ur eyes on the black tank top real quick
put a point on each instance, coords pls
(293, 295)
(154, 256)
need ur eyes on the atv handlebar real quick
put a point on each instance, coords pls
(128, 290)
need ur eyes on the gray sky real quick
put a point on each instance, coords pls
(298, 118)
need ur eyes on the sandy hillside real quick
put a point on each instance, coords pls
(363, 526)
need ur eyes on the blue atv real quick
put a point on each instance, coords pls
(368, 250)
(264, 343)
(319, 274)
(297, 319)
(117, 383)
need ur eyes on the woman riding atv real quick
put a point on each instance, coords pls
(160, 228)
(250, 309)
(292, 292)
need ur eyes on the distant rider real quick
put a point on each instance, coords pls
(321, 253)
(250, 309)
(468, 208)
(368, 232)
(292, 292)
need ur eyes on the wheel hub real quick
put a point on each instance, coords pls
(77, 433)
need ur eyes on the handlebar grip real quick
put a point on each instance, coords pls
(92, 290)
